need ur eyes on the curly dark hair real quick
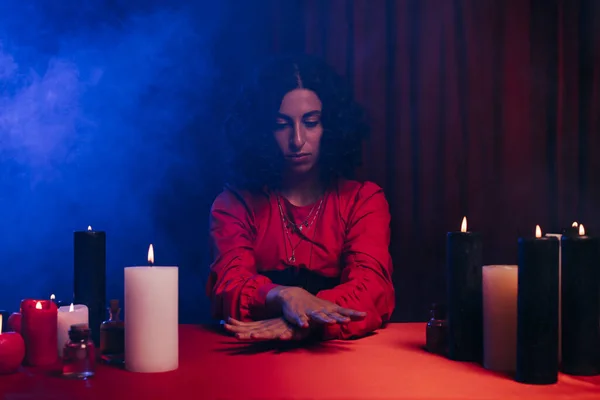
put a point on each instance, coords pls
(255, 160)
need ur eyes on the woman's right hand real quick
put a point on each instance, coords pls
(299, 307)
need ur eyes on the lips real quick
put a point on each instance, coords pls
(298, 158)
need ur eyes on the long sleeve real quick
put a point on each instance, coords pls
(366, 278)
(234, 286)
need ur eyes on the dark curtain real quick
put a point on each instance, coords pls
(481, 108)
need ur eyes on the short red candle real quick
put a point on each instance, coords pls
(39, 331)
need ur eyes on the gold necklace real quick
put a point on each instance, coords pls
(287, 223)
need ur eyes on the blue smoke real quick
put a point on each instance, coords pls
(96, 106)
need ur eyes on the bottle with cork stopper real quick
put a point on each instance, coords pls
(79, 353)
(112, 336)
(437, 330)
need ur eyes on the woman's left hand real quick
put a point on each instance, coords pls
(268, 329)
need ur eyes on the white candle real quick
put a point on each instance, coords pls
(151, 318)
(500, 284)
(67, 316)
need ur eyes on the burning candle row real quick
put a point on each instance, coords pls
(532, 318)
(45, 328)
(151, 297)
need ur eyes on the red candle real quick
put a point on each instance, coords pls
(39, 331)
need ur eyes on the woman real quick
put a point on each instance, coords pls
(300, 249)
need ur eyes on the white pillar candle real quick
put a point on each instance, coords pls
(151, 318)
(67, 316)
(500, 284)
(559, 237)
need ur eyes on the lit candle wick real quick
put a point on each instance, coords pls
(89, 227)
(71, 309)
(463, 225)
(151, 255)
(38, 305)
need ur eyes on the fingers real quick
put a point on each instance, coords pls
(302, 321)
(322, 317)
(272, 329)
(339, 318)
(235, 328)
(353, 314)
(299, 320)
(232, 321)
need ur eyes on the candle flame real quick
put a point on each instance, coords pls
(38, 305)
(574, 225)
(151, 254)
(581, 230)
(463, 225)
(538, 231)
(71, 309)
(0, 323)
(89, 227)
(52, 297)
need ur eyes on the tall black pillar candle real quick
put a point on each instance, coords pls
(464, 291)
(573, 230)
(90, 276)
(537, 310)
(580, 308)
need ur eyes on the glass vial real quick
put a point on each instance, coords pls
(437, 331)
(79, 356)
(112, 336)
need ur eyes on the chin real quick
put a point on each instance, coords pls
(301, 169)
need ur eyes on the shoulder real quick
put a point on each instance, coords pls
(233, 198)
(351, 191)
(360, 199)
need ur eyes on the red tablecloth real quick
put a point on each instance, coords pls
(391, 364)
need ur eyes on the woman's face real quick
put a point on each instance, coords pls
(298, 129)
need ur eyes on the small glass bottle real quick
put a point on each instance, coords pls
(79, 356)
(112, 336)
(437, 331)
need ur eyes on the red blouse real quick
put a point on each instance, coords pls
(347, 241)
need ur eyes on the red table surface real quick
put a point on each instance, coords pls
(390, 364)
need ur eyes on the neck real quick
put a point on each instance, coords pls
(302, 189)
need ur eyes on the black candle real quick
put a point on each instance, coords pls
(573, 230)
(580, 307)
(537, 310)
(465, 303)
(90, 276)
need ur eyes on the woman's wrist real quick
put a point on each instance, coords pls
(274, 296)
(280, 294)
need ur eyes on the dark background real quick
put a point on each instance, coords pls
(110, 113)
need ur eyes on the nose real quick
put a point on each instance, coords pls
(298, 137)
